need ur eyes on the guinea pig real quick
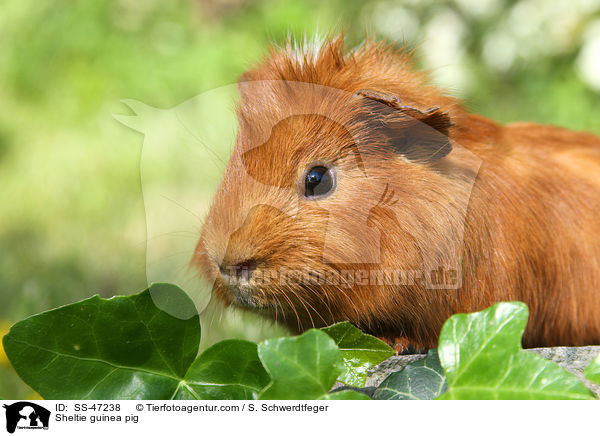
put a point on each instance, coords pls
(348, 164)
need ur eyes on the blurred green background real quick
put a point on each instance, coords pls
(72, 221)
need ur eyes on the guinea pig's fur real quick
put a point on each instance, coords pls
(524, 224)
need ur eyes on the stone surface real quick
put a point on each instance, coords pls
(378, 373)
(573, 359)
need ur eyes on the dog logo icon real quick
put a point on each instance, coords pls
(26, 415)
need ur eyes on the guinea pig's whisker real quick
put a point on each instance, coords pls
(301, 300)
(210, 312)
(202, 143)
(278, 303)
(284, 293)
(340, 288)
(327, 305)
(263, 308)
(198, 217)
(171, 255)
(314, 310)
(179, 233)
(326, 302)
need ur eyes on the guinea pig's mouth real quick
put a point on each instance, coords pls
(245, 297)
(242, 293)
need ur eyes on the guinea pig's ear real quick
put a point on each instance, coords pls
(418, 135)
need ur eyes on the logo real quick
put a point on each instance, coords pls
(26, 415)
(191, 135)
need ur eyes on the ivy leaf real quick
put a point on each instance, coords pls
(592, 372)
(359, 352)
(301, 368)
(134, 347)
(482, 358)
(420, 380)
(229, 370)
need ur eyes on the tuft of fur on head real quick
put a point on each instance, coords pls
(325, 61)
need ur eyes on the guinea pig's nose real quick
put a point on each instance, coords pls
(241, 271)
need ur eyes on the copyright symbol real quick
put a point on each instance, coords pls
(139, 407)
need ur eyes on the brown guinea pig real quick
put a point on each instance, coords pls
(357, 192)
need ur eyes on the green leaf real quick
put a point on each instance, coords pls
(229, 370)
(359, 351)
(135, 347)
(592, 372)
(420, 380)
(482, 358)
(301, 368)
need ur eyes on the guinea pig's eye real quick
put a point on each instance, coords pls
(319, 181)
